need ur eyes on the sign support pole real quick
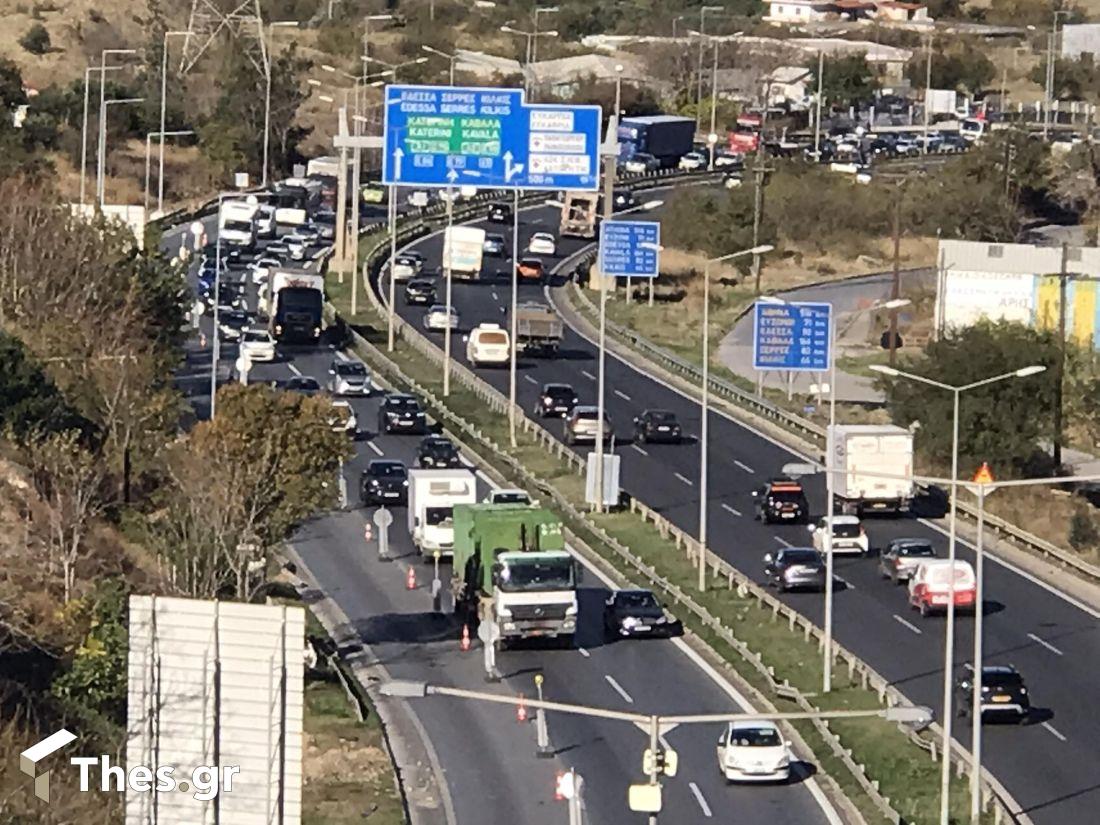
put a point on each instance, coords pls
(827, 665)
(448, 249)
(393, 255)
(610, 152)
(514, 325)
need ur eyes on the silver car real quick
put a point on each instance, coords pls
(583, 425)
(900, 557)
(348, 378)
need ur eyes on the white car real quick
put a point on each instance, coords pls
(261, 269)
(508, 496)
(257, 344)
(407, 265)
(488, 344)
(343, 418)
(542, 243)
(348, 378)
(848, 535)
(435, 319)
(265, 221)
(753, 750)
(728, 159)
(692, 161)
(295, 246)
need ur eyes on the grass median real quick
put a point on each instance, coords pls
(906, 773)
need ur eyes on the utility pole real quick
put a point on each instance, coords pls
(817, 117)
(1063, 277)
(895, 287)
(927, 95)
(757, 209)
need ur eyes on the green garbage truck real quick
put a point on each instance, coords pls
(511, 568)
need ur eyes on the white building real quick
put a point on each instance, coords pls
(797, 11)
(821, 11)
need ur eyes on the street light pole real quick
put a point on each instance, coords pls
(531, 36)
(704, 393)
(101, 151)
(949, 641)
(817, 117)
(699, 73)
(927, 95)
(448, 255)
(976, 687)
(84, 131)
(535, 42)
(712, 135)
(103, 132)
(163, 111)
(267, 93)
(514, 324)
(148, 152)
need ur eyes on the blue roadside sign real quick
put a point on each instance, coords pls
(794, 336)
(447, 136)
(629, 248)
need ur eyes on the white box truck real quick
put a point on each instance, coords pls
(462, 250)
(237, 223)
(862, 454)
(432, 497)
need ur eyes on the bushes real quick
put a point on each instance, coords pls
(36, 40)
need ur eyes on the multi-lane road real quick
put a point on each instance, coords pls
(1049, 765)
(488, 758)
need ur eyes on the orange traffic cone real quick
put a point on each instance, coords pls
(464, 645)
(521, 710)
(410, 580)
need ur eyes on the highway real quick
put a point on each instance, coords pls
(1049, 765)
(488, 758)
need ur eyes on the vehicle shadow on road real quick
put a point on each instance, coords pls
(801, 771)
(406, 628)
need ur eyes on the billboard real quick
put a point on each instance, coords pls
(216, 684)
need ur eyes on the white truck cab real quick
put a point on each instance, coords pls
(432, 497)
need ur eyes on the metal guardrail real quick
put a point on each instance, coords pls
(816, 434)
(994, 797)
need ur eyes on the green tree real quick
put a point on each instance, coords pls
(847, 80)
(97, 677)
(32, 402)
(961, 67)
(1001, 423)
(1075, 79)
(1083, 533)
(36, 39)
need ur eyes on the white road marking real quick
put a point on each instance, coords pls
(639, 449)
(294, 369)
(700, 799)
(375, 447)
(729, 509)
(341, 356)
(686, 481)
(1045, 644)
(744, 467)
(907, 624)
(619, 689)
(845, 582)
(584, 653)
(588, 375)
(530, 378)
(343, 484)
(782, 541)
(486, 479)
(622, 395)
(1054, 732)
(495, 296)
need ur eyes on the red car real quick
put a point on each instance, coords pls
(529, 269)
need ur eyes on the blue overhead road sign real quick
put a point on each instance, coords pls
(443, 136)
(629, 248)
(794, 336)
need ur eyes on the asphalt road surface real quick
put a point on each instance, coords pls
(1049, 764)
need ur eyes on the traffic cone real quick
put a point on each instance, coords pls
(521, 710)
(410, 580)
(464, 645)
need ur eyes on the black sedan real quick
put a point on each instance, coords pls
(401, 413)
(657, 425)
(795, 568)
(500, 212)
(437, 453)
(494, 245)
(384, 482)
(1004, 694)
(420, 291)
(303, 384)
(556, 401)
(637, 613)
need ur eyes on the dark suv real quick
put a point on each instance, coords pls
(500, 212)
(555, 400)
(401, 413)
(657, 425)
(1004, 694)
(384, 482)
(437, 453)
(420, 291)
(781, 499)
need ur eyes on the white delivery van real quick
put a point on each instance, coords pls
(875, 467)
(463, 247)
(432, 497)
(930, 586)
(237, 223)
(488, 344)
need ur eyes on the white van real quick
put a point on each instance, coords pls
(488, 344)
(930, 586)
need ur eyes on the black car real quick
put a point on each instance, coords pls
(623, 199)
(384, 482)
(1004, 694)
(500, 212)
(781, 499)
(303, 384)
(420, 291)
(657, 425)
(494, 245)
(636, 613)
(401, 413)
(556, 400)
(437, 453)
(231, 322)
(795, 568)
